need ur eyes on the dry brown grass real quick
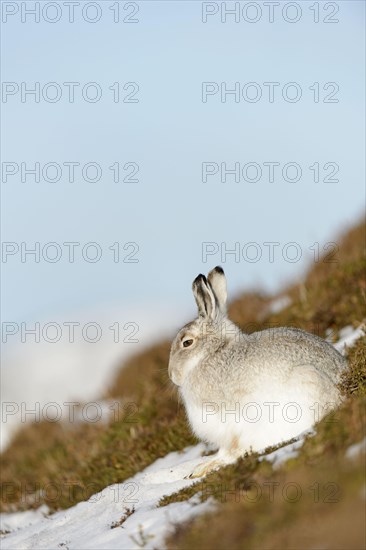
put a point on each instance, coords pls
(72, 462)
(354, 379)
(90, 457)
(308, 503)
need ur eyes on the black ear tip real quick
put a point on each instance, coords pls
(219, 269)
(200, 278)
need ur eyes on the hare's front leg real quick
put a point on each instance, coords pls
(222, 458)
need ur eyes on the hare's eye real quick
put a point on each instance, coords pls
(187, 343)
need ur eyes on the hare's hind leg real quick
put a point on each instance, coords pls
(222, 458)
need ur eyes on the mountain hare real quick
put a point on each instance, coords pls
(245, 392)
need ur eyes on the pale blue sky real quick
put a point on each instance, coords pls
(169, 133)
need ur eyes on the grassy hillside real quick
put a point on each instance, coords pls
(61, 464)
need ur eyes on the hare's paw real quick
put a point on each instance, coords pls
(214, 462)
(204, 468)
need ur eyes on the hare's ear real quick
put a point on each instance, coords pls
(217, 280)
(204, 297)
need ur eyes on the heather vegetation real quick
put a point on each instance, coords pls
(75, 461)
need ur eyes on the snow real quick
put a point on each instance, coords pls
(35, 374)
(279, 304)
(18, 520)
(88, 524)
(356, 450)
(285, 453)
(348, 336)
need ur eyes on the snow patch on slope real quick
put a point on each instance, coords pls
(88, 524)
(133, 505)
(73, 368)
(348, 336)
(356, 450)
(279, 304)
(285, 453)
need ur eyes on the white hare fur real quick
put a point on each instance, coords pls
(244, 392)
